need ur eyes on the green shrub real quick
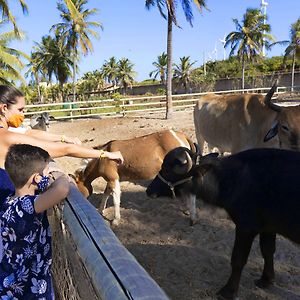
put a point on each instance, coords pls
(161, 91)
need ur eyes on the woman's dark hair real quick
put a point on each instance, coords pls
(9, 94)
(23, 160)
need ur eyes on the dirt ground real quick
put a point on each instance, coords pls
(187, 262)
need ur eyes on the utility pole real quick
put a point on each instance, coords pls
(223, 42)
(204, 63)
(263, 7)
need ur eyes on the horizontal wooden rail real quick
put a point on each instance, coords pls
(112, 107)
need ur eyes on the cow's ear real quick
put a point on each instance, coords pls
(207, 162)
(272, 132)
(209, 157)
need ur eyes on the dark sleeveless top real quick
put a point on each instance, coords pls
(6, 186)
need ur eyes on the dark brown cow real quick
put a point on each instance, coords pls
(143, 157)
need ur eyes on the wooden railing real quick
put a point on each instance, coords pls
(124, 106)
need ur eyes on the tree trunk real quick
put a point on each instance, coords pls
(243, 73)
(293, 71)
(169, 104)
(38, 87)
(74, 76)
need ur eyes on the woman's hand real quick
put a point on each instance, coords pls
(116, 156)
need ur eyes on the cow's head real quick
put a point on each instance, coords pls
(287, 125)
(41, 121)
(46, 118)
(86, 190)
(174, 173)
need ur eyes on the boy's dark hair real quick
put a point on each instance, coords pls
(23, 160)
(9, 94)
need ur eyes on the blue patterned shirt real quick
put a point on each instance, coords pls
(27, 254)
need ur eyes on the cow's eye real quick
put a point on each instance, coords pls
(285, 128)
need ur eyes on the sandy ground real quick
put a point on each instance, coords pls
(187, 262)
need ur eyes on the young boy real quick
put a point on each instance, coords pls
(25, 232)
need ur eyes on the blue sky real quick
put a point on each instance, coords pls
(131, 31)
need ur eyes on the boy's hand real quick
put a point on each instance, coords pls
(56, 174)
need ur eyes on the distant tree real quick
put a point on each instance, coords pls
(248, 39)
(6, 14)
(11, 62)
(126, 73)
(76, 30)
(293, 48)
(167, 9)
(182, 72)
(92, 81)
(161, 68)
(33, 72)
(110, 70)
(52, 57)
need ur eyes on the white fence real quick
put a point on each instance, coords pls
(124, 106)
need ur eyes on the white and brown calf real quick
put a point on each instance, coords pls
(143, 157)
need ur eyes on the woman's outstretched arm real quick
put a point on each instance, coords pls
(55, 149)
(52, 137)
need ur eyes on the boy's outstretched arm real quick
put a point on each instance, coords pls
(57, 191)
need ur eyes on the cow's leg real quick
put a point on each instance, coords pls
(241, 249)
(117, 202)
(105, 196)
(200, 142)
(191, 203)
(267, 246)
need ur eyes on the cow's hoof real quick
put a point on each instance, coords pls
(226, 294)
(115, 222)
(263, 283)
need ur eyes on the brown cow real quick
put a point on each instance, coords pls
(233, 123)
(143, 157)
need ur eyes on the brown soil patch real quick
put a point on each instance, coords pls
(187, 262)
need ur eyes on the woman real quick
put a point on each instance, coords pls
(12, 104)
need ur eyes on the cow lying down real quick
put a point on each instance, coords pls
(259, 189)
(143, 157)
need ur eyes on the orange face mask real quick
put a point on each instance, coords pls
(15, 120)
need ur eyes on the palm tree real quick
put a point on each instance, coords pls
(52, 57)
(125, 73)
(76, 30)
(10, 59)
(182, 72)
(6, 13)
(161, 68)
(94, 81)
(33, 72)
(110, 71)
(167, 9)
(293, 48)
(248, 39)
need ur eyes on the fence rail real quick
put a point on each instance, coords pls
(113, 107)
(89, 262)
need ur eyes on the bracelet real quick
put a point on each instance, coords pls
(102, 154)
(63, 138)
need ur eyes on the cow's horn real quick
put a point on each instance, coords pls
(268, 99)
(186, 165)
